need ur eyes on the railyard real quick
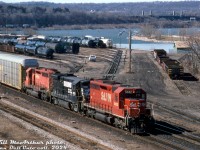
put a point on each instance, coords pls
(172, 106)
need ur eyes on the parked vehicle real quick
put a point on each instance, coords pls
(92, 58)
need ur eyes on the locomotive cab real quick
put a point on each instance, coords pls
(135, 102)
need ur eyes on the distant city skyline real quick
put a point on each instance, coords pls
(87, 1)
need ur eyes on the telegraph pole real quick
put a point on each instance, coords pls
(130, 34)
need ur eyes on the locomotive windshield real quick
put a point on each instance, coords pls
(138, 94)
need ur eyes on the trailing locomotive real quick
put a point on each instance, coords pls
(172, 67)
(108, 101)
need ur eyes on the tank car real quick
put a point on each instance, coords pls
(20, 48)
(44, 52)
(122, 106)
(30, 50)
(57, 47)
(108, 42)
(31, 42)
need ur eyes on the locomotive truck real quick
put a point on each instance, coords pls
(111, 102)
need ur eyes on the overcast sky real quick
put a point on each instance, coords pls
(86, 1)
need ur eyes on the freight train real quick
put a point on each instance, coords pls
(122, 106)
(172, 67)
(36, 47)
(38, 51)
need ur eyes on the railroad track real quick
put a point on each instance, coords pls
(182, 127)
(178, 133)
(175, 112)
(154, 139)
(55, 128)
(182, 87)
(114, 66)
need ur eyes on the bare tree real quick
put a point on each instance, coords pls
(148, 30)
(182, 33)
(194, 43)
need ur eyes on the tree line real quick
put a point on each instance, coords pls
(49, 14)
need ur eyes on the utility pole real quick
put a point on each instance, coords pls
(130, 34)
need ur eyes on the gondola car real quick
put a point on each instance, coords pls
(172, 67)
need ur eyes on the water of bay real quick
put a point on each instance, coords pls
(119, 41)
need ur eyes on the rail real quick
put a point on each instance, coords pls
(114, 66)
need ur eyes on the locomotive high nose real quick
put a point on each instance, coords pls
(135, 107)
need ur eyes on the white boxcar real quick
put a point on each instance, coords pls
(13, 69)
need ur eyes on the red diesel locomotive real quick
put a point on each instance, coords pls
(120, 105)
(108, 101)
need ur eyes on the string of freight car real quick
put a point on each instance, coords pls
(108, 101)
(172, 67)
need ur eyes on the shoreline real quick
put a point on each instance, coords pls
(146, 39)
